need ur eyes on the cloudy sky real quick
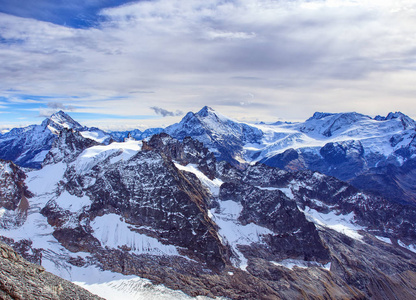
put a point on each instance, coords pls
(126, 64)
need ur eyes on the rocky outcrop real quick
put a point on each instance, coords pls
(67, 147)
(328, 194)
(293, 236)
(20, 279)
(149, 192)
(13, 190)
(396, 183)
(378, 270)
(13, 195)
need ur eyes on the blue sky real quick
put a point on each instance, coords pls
(71, 13)
(128, 64)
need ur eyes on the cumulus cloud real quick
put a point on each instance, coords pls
(60, 106)
(165, 113)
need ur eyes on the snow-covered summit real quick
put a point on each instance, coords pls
(328, 124)
(319, 115)
(60, 120)
(406, 121)
(220, 134)
(29, 146)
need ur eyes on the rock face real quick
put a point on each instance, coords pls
(151, 194)
(325, 194)
(13, 195)
(293, 236)
(68, 146)
(394, 182)
(13, 190)
(20, 279)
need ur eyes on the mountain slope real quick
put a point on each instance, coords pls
(20, 279)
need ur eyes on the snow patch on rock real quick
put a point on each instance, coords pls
(212, 185)
(338, 222)
(292, 263)
(233, 232)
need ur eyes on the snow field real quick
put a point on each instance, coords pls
(112, 232)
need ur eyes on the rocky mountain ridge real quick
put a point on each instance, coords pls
(373, 154)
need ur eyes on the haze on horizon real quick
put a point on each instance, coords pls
(147, 63)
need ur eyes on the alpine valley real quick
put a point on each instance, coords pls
(212, 208)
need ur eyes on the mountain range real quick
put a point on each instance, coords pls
(218, 208)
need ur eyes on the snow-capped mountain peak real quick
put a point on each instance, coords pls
(209, 113)
(221, 135)
(205, 111)
(405, 120)
(319, 115)
(60, 120)
(328, 124)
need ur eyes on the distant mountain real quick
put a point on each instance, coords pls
(373, 154)
(347, 146)
(28, 146)
(137, 134)
(221, 135)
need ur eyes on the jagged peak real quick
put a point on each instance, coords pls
(209, 113)
(205, 111)
(319, 115)
(61, 120)
(394, 115)
(205, 116)
(407, 122)
(397, 115)
(343, 115)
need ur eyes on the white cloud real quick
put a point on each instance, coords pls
(306, 55)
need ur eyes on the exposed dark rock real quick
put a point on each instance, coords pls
(13, 189)
(189, 151)
(383, 217)
(294, 236)
(148, 190)
(13, 195)
(67, 147)
(397, 183)
(379, 270)
(20, 279)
